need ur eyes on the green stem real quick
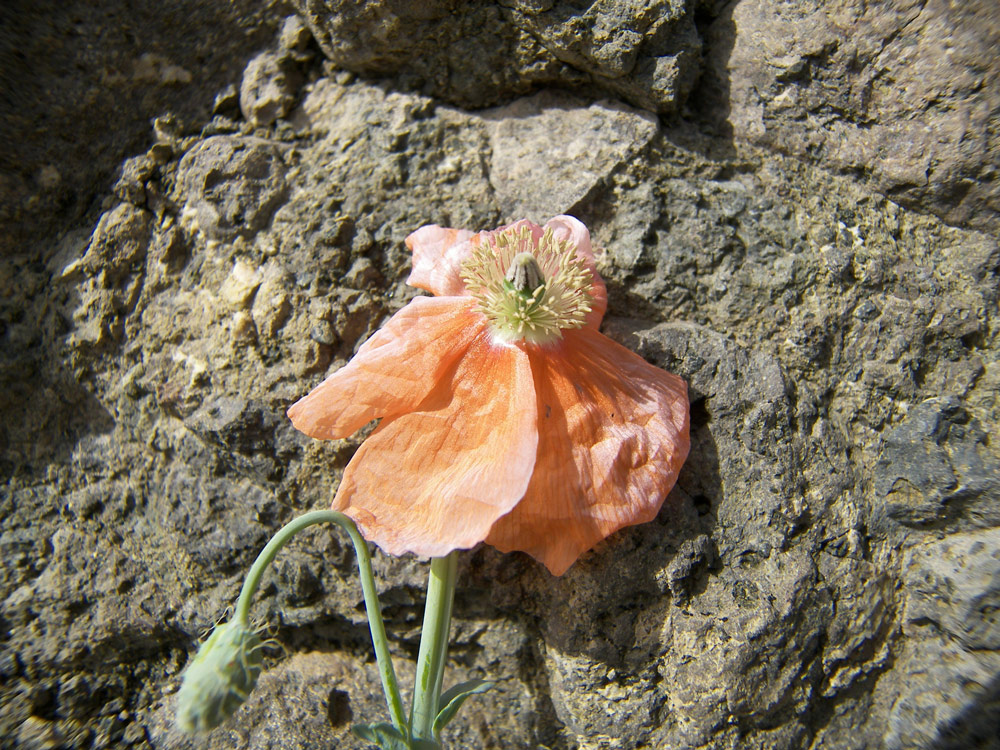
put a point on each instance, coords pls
(379, 640)
(433, 651)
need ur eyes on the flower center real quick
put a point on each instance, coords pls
(528, 291)
(524, 274)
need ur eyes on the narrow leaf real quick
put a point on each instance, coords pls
(364, 732)
(383, 734)
(453, 698)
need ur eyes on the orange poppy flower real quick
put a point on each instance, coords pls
(506, 416)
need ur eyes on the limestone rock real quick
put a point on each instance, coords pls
(269, 88)
(955, 584)
(934, 466)
(902, 93)
(232, 186)
(91, 104)
(645, 52)
(548, 152)
(824, 574)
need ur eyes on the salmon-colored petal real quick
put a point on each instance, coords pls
(612, 436)
(438, 478)
(393, 371)
(536, 231)
(571, 229)
(438, 254)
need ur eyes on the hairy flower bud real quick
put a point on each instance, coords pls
(219, 678)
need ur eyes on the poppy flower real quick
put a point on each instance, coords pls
(506, 416)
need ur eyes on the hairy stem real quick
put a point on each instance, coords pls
(433, 651)
(379, 640)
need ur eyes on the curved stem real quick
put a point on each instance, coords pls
(433, 651)
(379, 640)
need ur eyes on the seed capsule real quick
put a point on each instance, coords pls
(524, 274)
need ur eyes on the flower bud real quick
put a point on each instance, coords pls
(219, 678)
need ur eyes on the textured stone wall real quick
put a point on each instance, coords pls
(796, 209)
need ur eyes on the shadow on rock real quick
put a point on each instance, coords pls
(44, 418)
(978, 726)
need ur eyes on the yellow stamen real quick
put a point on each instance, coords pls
(528, 291)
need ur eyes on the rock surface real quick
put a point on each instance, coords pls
(904, 94)
(82, 82)
(475, 54)
(825, 574)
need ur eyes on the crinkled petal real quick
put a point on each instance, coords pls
(571, 229)
(536, 231)
(393, 371)
(612, 436)
(438, 254)
(437, 479)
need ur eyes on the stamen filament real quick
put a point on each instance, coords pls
(528, 289)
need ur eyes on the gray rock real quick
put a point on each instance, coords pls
(130, 185)
(294, 36)
(119, 244)
(682, 571)
(824, 573)
(935, 710)
(646, 52)
(114, 268)
(954, 587)
(269, 88)
(272, 305)
(902, 94)
(548, 151)
(937, 460)
(232, 186)
(81, 101)
(743, 406)
(227, 101)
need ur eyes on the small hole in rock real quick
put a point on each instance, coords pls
(700, 415)
(702, 505)
(338, 708)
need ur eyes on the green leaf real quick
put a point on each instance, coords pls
(364, 732)
(418, 744)
(381, 733)
(453, 698)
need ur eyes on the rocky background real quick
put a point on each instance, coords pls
(203, 205)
